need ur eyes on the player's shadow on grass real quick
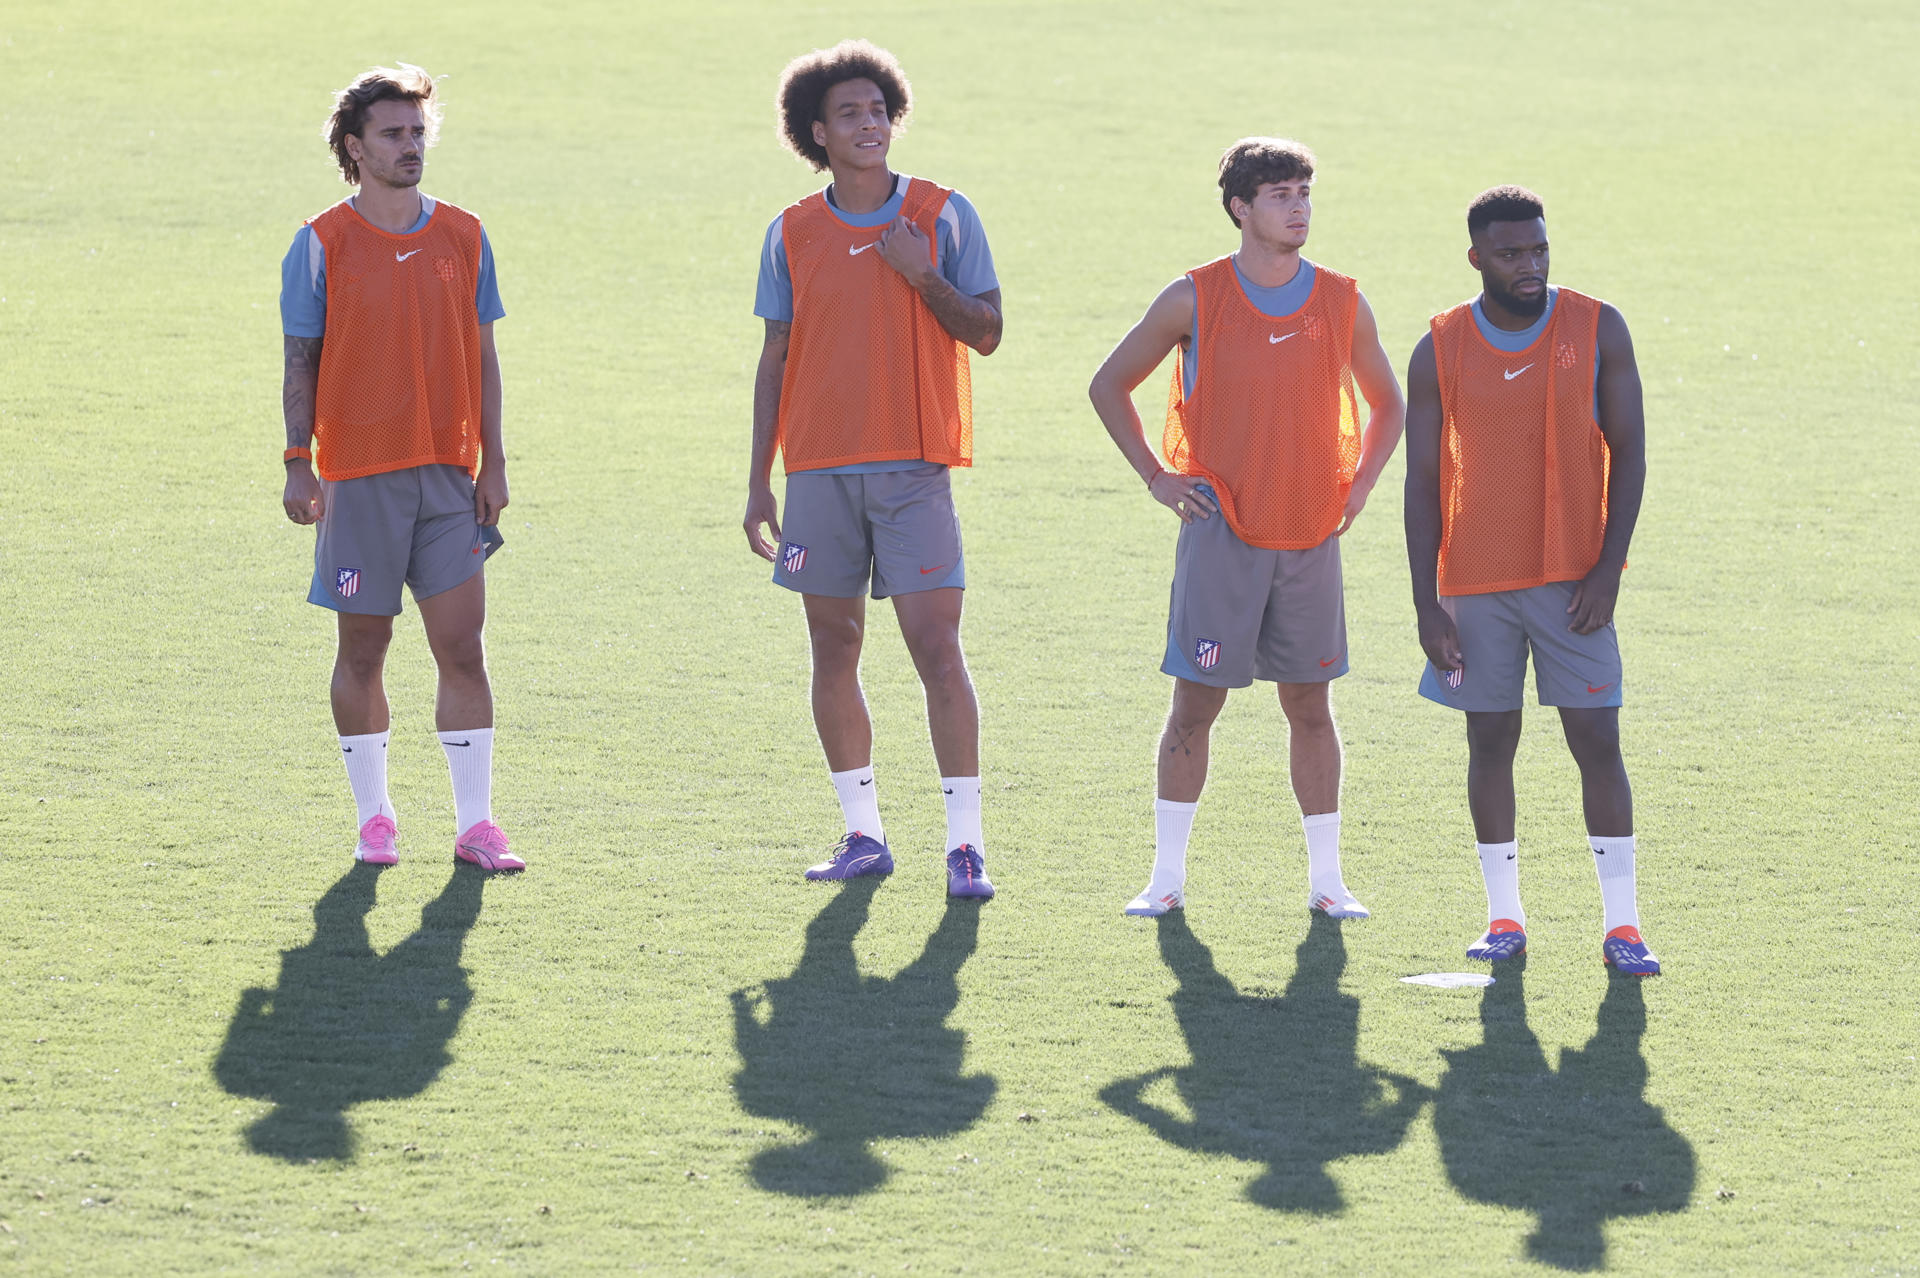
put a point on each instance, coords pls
(1273, 1080)
(855, 1059)
(1574, 1147)
(346, 1025)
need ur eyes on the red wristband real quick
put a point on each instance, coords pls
(1157, 472)
(292, 453)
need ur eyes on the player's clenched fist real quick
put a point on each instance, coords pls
(303, 497)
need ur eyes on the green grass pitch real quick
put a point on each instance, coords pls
(220, 1050)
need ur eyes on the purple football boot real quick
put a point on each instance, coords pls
(967, 874)
(854, 856)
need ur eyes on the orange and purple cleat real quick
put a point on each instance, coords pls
(485, 845)
(967, 874)
(1504, 939)
(854, 857)
(1627, 954)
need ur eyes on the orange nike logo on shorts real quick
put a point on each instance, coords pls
(1330, 660)
(935, 568)
(1602, 688)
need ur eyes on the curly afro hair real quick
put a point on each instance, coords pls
(804, 85)
(1503, 204)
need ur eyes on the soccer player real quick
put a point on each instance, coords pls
(392, 393)
(1526, 458)
(1266, 468)
(872, 290)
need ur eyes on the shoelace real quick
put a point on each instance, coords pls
(966, 858)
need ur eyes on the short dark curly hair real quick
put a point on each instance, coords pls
(1503, 204)
(1251, 163)
(804, 85)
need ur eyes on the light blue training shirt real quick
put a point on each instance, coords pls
(1274, 303)
(303, 280)
(961, 253)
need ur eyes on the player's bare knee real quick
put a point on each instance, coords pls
(1493, 736)
(940, 661)
(1593, 737)
(1195, 707)
(1308, 707)
(362, 653)
(464, 657)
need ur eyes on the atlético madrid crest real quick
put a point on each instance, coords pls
(1206, 653)
(346, 582)
(795, 558)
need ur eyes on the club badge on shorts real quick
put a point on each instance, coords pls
(346, 582)
(794, 558)
(1206, 653)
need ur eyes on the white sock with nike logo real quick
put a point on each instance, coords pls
(1500, 867)
(470, 761)
(963, 812)
(366, 760)
(1613, 862)
(858, 803)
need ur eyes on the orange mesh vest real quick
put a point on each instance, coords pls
(400, 367)
(1523, 466)
(1273, 421)
(871, 375)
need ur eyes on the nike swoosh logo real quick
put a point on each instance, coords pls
(457, 743)
(1511, 855)
(1275, 341)
(1516, 372)
(868, 781)
(401, 257)
(1329, 661)
(1602, 688)
(944, 791)
(346, 749)
(856, 252)
(935, 568)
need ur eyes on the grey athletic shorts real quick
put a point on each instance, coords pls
(1241, 613)
(414, 526)
(897, 527)
(1496, 632)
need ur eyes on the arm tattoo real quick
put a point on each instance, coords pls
(298, 387)
(973, 321)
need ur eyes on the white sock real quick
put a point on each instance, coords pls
(1500, 867)
(1323, 852)
(858, 803)
(963, 812)
(366, 760)
(1172, 824)
(1613, 862)
(470, 761)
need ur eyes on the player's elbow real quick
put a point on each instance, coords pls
(1104, 386)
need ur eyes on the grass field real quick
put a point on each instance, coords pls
(222, 1050)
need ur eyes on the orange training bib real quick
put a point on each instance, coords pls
(871, 375)
(1273, 421)
(1523, 465)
